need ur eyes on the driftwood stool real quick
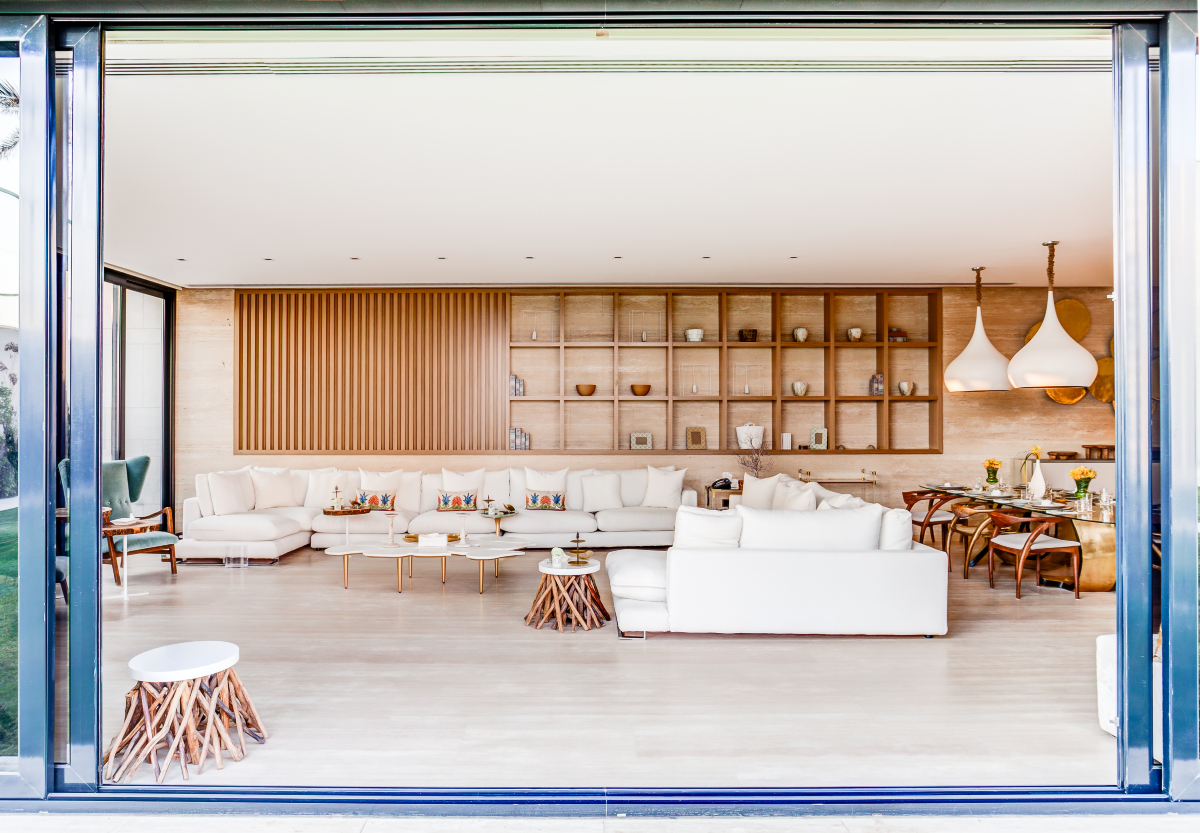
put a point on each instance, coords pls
(568, 594)
(188, 701)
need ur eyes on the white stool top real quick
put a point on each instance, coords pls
(547, 566)
(183, 661)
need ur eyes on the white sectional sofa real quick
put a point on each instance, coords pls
(833, 571)
(211, 530)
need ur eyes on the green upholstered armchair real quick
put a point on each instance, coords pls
(121, 485)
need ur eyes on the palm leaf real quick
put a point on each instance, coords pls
(8, 145)
(10, 99)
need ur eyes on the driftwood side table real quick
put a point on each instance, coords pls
(568, 594)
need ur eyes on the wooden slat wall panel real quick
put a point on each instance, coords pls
(371, 370)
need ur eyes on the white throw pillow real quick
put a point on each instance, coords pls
(836, 530)
(798, 500)
(664, 488)
(846, 502)
(758, 492)
(546, 481)
(707, 529)
(896, 532)
(816, 488)
(601, 491)
(272, 488)
(462, 481)
(232, 491)
(633, 485)
(380, 481)
(321, 483)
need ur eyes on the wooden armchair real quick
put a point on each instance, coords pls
(964, 513)
(1021, 545)
(121, 485)
(932, 518)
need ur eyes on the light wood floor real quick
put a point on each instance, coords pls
(444, 687)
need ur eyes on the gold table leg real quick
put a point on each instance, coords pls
(1098, 557)
(346, 572)
(481, 577)
(399, 575)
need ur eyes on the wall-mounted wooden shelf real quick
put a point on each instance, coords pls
(704, 383)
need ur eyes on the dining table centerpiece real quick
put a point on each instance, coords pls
(993, 466)
(1082, 476)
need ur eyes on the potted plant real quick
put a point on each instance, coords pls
(992, 465)
(1082, 476)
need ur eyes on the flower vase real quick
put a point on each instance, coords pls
(1081, 487)
(991, 476)
(1037, 482)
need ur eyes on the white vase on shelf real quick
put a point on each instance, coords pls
(1037, 483)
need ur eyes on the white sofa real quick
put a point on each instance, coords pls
(812, 582)
(270, 533)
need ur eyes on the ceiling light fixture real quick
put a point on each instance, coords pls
(616, 257)
(980, 366)
(354, 258)
(529, 257)
(441, 258)
(706, 257)
(1052, 359)
(181, 258)
(268, 258)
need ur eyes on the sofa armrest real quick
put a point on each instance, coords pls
(690, 497)
(191, 512)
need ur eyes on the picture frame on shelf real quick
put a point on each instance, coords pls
(820, 444)
(696, 436)
(641, 441)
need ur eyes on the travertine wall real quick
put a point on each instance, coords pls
(976, 425)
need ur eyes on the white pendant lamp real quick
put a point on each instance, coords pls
(980, 366)
(1052, 359)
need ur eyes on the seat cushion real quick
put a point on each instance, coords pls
(565, 521)
(247, 526)
(940, 516)
(145, 541)
(1016, 541)
(435, 521)
(372, 523)
(635, 519)
(637, 574)
(302, 515)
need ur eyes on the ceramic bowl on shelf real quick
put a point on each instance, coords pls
(693, 334)
(640, 390)
(585, 390)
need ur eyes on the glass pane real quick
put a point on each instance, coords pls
(9, 376)
(143, 377)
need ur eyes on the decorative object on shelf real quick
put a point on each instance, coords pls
(585, 390)
(693, 334)
(641, 441)
(800, 388)
(1037, 483)
(1082, 475)
(897, 334)
(756, 459)
(854, 334)
(907, 388)
(750, 379)
(516, 387)
(643, 335)
(518, 440)
(800, 334)
(533, 337)
(818, 439)
(1100, 452)
(640, 390)
(696, 436)
(870, 447)
(558, 558)
(1034, 453)
(1052, 359)
(785, 440)
(456, 501)
(1062, 455)
(876, 387)
(749, 435)
(645, 322)
(691, 375)
(992, 465)
(841, 447)
(547, 500)
(980, 366)
(748, 334)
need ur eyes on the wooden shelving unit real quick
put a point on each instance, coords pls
(594, 336)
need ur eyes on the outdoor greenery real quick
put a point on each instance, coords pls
(8, 632)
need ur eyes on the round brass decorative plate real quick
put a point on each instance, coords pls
(1073, 316)
(1104, 386)
(1066, 396)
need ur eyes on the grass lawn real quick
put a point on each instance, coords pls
(8, 632)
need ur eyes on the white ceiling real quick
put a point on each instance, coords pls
(605, 177)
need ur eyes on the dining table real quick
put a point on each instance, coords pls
(1096, 532)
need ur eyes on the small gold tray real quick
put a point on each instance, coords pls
(452, 538)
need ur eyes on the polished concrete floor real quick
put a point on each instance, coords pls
(442, 686)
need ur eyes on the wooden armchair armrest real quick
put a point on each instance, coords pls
(167, 512)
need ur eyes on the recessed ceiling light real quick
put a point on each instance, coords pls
(793, 257)
(268, 258)
(706, 257)
(354, 258)
(616, 257)
(181, 258)
(441, 258)
(530, 257)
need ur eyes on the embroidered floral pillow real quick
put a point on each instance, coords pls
(536, 499)
(456, 501)
(383, 501)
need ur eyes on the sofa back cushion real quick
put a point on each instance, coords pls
(759, 492)
(633, 484)
(834, 530)
(664, 489)
(601, 491)
(380, 481)
(796, 499)
(318, 489)
(697, 528)
(272, 488)
(495, 486)
(896, 531)
(204, 495)
(232, 491)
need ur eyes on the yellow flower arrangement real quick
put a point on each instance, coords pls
(1080, 472)
(992, 463)
(1035, 450)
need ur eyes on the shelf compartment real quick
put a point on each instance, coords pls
(911, 426)
(642, 366)
(538, 366)
(800, 418)
(642, 416)
(534, 314)
(589, 425)
(748, 311)
(853, 370)
(588, 318)
(806, 311)
(689, 312)
(739, 413)
(910, 313)
(539, 419)
(856, 425)
(803, 366)
(699, 368)
(689, 413)
(637, 314)
(909, 364)
(854, 311)
(749, 371)
(588, 366)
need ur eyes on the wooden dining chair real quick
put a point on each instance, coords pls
(1021, 545)
(964, 514)
(932, 518)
